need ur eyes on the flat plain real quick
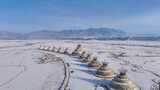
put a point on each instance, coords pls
(20, 70)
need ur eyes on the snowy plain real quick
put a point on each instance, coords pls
(19, 70)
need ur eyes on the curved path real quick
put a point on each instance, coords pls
(81, 76)
(20, 70)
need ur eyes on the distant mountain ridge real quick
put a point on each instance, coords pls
(90, 33)
(81, 34)
(6, 35)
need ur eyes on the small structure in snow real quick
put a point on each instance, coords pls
(46, 48)
(66, 51)
(59, 50)
(82, 55)
(41, 47)
(121, 82)
(94, 63)
(87, 58)
(105, 72)
(77, 50)
(53, 48)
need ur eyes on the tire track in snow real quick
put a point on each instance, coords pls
(16, 76)
(65, 82)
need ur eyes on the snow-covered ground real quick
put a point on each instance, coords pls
(19, 70)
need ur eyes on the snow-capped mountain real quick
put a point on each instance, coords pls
(90, 33)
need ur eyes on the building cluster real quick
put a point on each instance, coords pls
(117, 81)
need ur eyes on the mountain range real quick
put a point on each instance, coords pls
(81, 34)
(90, 33)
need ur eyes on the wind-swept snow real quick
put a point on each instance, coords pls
(20, 70)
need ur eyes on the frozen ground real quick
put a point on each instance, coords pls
(19, 70)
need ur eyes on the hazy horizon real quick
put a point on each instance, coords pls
(133, 16)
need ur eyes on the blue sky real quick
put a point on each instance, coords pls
(134, 16)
